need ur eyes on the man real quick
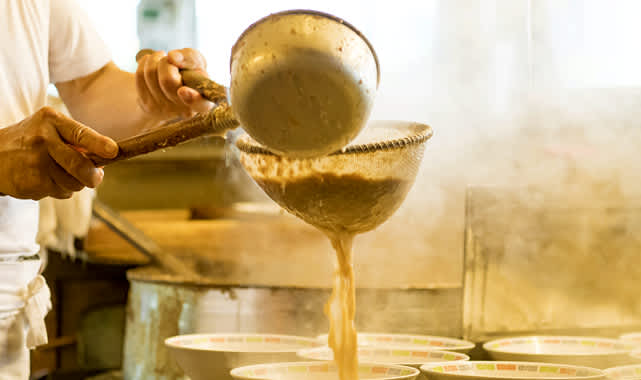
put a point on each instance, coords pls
(51, 41)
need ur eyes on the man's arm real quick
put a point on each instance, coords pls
(40, 156)
(120, 104)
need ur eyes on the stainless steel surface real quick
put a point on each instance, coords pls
(158, 310)
(303, 82)
(548, 262)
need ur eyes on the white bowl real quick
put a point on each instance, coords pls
(413, 357)
(583, 351)
(212, 356)
(634, 338)
(628, 372)
(321, 371)
(486, 370)
(410, 341)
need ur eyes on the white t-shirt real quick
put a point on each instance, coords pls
(41, 42)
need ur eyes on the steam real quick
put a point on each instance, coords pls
(498, 122)
(484, 86)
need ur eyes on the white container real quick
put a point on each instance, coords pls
(410, 341)
(576, 350)
(414, 357)
(634, 338)
(486, 370)
(628, 372)
(321, 371)
(212, 356)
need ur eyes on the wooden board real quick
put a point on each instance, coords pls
(258, 249)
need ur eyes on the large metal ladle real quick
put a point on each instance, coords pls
(302, 84)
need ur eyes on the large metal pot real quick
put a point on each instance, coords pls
(160, 307)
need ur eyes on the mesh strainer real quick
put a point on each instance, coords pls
(353, 190)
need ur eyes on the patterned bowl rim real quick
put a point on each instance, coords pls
(613, 371)
(404, 356)
(631, 337)
(607, 346)
(186, 342)
(424, 340)
(403, 372)
(452, 370)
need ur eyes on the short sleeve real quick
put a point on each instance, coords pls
(75, 48)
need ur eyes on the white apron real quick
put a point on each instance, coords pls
(24, 302)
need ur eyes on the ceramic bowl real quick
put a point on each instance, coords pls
(628, 372)
(413, 357)
(321, 371)
(576, 350)
(410, 341)
(634, 338)
(212, 356)
(485, 370)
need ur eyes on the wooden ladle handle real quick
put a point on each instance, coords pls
(209, 89)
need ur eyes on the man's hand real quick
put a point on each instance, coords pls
(40, 156)
(159, 84)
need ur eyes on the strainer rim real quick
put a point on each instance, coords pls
(422, 133)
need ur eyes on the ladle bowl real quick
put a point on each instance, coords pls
(303, 82)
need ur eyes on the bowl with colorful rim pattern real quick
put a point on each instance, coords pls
(212, 356)
(414, 357)
(627, 372)
(576, 350)
(505, 370)
(634, 337)
(410, 341)
(321, 371)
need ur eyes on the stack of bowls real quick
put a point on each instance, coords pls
(399, 357)
(263, 356)
(399, 349)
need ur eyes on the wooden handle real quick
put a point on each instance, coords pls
(216, 121)
(209, 89)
